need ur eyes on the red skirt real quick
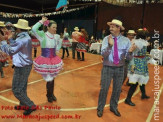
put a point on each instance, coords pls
(35, 43)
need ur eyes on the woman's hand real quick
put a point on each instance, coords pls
(44, 19)
(132, 48)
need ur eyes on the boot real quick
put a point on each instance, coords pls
(127, 83)
(82, 57)
(130, 94)
(1, 70)
(35, 52)
(2, 74)
(50, 90)
(63, 53)
(67, 52)
(78, 56)
(144, 96)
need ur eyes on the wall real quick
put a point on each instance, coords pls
(153, 18)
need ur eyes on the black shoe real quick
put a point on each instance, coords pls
(62, 58)
(50, 99)
(54, 98)
(129, 102)
(19, 107)
(29, 111)
(81, 59)
(73, 57)
(145, 97)
(116, 112)
(99, 113)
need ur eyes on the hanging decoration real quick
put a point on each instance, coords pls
(61, 4)
(29, 15)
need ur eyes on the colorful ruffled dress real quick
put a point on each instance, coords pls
(66, 43)
(48, 64)
(140, 74)
(81, 46)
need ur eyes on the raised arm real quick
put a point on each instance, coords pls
(13, 48)
(35, 29)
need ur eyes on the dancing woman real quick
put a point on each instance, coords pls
(48, 64)
(138, 67)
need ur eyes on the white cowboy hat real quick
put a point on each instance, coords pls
(76, 29)
(2, 24)
(156, 41)
(116, 22)
(22, 24)
(131, 32)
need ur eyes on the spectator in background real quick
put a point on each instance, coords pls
(103, 34)
(130, 35)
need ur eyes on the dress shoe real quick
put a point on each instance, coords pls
(116, 112)
(129, 102)
(50, 99)
(145, 97)
(54, 98)
(99, 113)
(62, 58)
(29, 111)
(81, 59)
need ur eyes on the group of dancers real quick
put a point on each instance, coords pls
(116, 50)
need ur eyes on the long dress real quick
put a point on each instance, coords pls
(48, 64)
(139, 61)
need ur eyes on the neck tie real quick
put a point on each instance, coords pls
(115, 57)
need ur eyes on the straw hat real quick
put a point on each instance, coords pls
(76, 29)
(22, 24)
(2, 24)
(116, 22)
(156, 41)
(140, 29)
(131, 32)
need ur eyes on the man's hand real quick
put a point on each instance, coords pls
(110, 40)
(10, 34)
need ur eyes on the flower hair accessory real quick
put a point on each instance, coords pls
(46, 23)
(145, 29)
